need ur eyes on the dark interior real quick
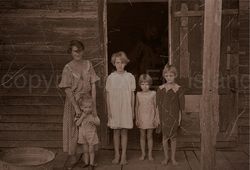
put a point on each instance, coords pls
(141, 31)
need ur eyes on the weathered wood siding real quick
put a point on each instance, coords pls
(34, 37)
(243, 122)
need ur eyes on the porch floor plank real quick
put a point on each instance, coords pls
(188, 160)
(192, 160)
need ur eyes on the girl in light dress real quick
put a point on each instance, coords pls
(147, 118)
(120, 87)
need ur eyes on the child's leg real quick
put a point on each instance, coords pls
(173, 150)
(86, 153)
(116, 137)
(165, 148)
(91, 155)
(124, 138)
(142, 142)
(150, 143)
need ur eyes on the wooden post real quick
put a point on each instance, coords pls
(170, 53)
(209, 116)
(184, 54)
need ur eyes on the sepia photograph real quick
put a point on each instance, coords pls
(124, 84)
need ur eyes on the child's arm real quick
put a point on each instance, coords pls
(108, 105)
(136, 109)
(133, 103)
(95, 120)
(181, 103)
(156, 116)
(79, 120)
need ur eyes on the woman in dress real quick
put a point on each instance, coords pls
(78, 79)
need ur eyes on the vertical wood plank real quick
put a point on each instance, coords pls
(184, 54)
(210, 98)
(170, 58)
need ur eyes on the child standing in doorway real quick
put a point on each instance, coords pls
(120, 87)
(170, 103)
(87, 134)
(147, 118)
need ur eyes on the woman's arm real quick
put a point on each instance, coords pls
(79, 121)
(71, 97)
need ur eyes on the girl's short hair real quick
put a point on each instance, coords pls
(85, 99)
(77, 44)
(122, 55)
(169, 68)
(145, 78)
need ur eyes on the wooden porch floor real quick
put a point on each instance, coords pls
(236, 159)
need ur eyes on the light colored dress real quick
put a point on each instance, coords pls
(146, 109)
(79, 85)
(120, 88)
(87, 131)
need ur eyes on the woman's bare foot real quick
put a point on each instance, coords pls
(174, 162)
(142, 157)
(116, 160)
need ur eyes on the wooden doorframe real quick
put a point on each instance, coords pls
(103, 32)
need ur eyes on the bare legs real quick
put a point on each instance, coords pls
(116, 138)
(173, 151)
(89, 154)
(143, 143)
(123, 134)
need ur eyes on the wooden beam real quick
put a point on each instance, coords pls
(201, 13)
(209, 116)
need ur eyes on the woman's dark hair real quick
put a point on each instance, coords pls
(77, 44)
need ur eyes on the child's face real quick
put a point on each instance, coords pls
(76, 53)
(144, 86)
(170, 77)
(119, 65)
(86, 108)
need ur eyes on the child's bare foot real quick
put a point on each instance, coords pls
(150, 157)
(116, 160)
(142, 157)
(174, 162)
(164, 162)
(123, 162)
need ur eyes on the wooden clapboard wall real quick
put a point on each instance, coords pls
(243, 122)
(34, 36)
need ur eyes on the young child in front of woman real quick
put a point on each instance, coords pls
(120, 87)
(87, 135)
(147, 118)
(170, 103)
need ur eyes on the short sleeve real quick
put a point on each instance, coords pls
(107, 87)
(93, 76)
(66, 80)
(181, 97)
(132, 83)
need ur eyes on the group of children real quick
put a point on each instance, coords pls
(159, 110)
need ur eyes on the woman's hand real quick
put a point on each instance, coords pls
(78, 112)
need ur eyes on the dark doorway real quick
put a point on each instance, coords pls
(140, 30)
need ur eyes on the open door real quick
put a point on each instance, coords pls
(140, 29)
